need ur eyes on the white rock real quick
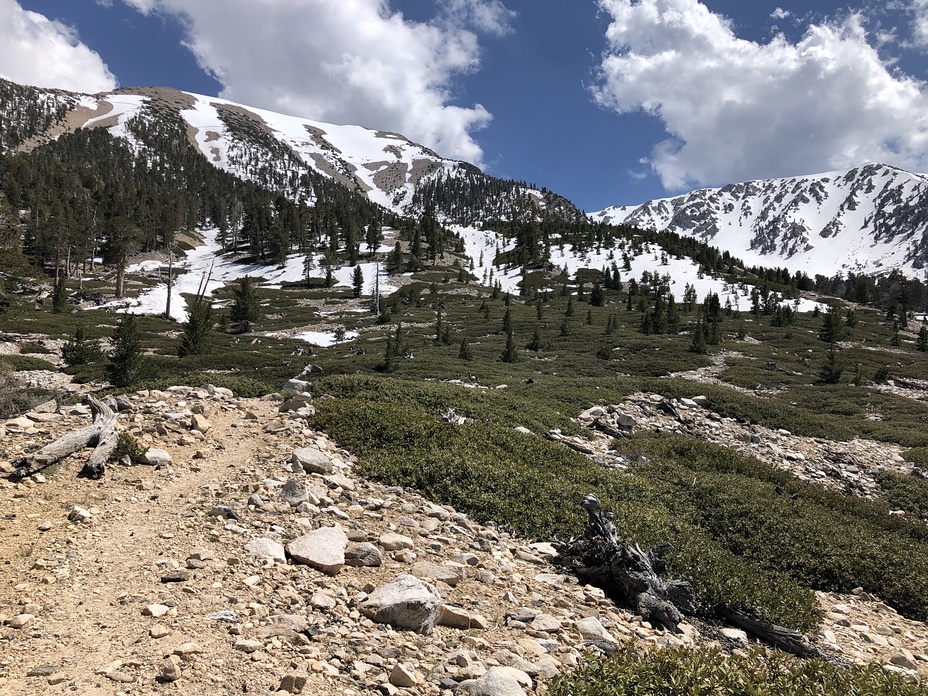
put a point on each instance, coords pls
(267, 547)
(498, 681)
(591, 629)
(312, 460)
(157, 457)
(323, 549)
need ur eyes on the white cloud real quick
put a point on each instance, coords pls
(346, 61)
(780, 13)
(736, 109)
(920, 24)
(39, 52)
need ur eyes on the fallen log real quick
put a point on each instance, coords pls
(100, 434)
(627, 573)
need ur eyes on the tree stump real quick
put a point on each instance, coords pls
(625, 571)
(101, 435)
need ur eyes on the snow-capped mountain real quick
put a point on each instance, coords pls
(268, 148)
(869, 219)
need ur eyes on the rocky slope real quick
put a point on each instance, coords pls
(870, 219)
(252, 559)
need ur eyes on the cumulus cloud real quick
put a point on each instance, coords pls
(347, 61)
(737, 109)
(780, 13)
(36, 51)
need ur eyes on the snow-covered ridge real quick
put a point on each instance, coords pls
(869, 219)
(384, 166)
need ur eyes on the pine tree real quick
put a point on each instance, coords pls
(507, 320)
(698, 345)
(245, 308)
(80, 350)
(357, 282)
(196, 339)
(832, 370)
(465, 352)
(570, 307)
(535, 344)
(597, 295)
(127, 365)
(59, 295)
(510, 353)
(832, 328)
(921, 343)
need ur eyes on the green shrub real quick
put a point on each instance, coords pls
(534, 486)
(822, 539)
(707, 671)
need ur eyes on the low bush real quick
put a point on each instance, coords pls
(706, 671)
(534, 486)
(822, 539)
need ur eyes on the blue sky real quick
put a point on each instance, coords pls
(605, 101)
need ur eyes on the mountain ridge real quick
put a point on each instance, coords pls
(876, 214)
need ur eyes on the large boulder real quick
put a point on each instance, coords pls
(322, 549)
(498, 681)
(407, 602)
(312, 460)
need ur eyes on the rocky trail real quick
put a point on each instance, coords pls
(251, 559)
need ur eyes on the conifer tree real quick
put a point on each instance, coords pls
(597, 295)
(510, 353)
(465, 352)
(570, 307)
(832, 328)
(698, 345)
(80, 350)
(245, 308)
(197, 329)
(832, 369)
(535, 344)
(127, 365)
(59, 295)
(921, 343)
(357, 282)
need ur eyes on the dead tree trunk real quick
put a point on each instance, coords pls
(101, 435)
(625, 571)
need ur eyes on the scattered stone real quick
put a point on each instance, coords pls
(156, 610)
(313, 461)
(199, 423)
(403, 677)
(293, 683)
(498, 681)
(396, 542)
(21, 620)
(159, 631)
(175, 576)
(157, 457)
(267, 547)
(363, 554)
(170, 669)
(248, 646)
(323, 549)
(42, 671)
(448, 574)
(592, 629)
(407, 602)
(293, 493)
(79, 514)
